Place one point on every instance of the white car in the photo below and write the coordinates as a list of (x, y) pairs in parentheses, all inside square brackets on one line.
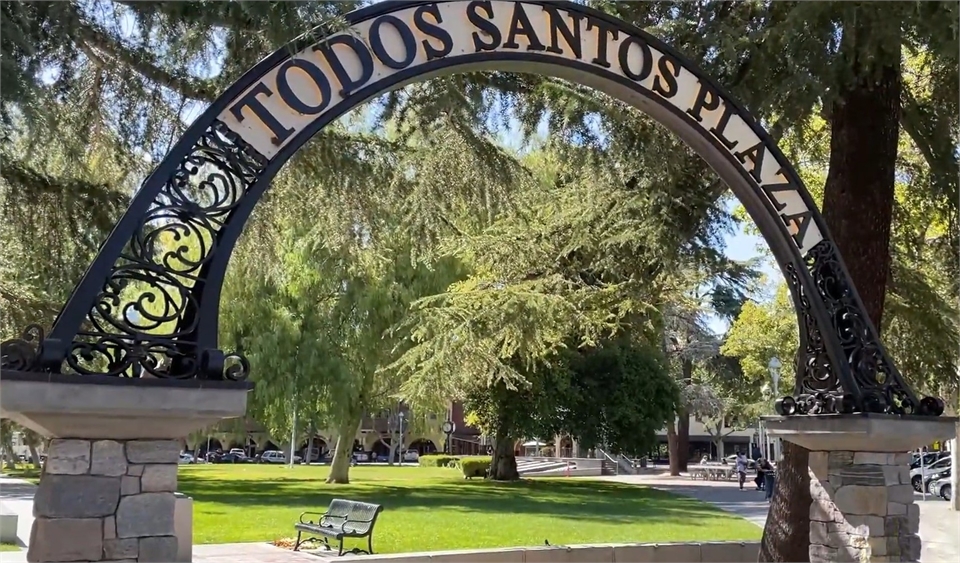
[(238, 452), (273, 456), (941, 488), (920, 477), (732, 460), (186, 458), (411, 455), (276, 456)]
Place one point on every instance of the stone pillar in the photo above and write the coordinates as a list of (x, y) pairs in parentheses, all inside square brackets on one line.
[(862, 508), (862, 502), (106, 500)]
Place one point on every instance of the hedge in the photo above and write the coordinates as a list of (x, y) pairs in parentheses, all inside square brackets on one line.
[(438, 460), (475, 466)]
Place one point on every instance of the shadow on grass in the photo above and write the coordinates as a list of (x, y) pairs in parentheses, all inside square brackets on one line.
[(26, 472), (574, 499)]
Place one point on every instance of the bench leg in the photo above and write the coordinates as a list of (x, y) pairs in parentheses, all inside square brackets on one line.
[(340, 551), (296, 546), (370, 544)]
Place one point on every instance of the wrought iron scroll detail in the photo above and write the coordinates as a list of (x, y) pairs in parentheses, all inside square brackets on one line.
[(818, 389), (880, 388), (21, 353), (143, 321)]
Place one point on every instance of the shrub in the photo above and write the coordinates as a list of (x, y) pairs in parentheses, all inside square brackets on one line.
[(475, 466), (437, 460)]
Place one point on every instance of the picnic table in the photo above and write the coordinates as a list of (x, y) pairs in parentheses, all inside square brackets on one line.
[(712, 471)]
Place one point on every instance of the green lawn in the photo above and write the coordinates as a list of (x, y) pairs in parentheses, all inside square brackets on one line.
[(22, 471), (429, 509), (9, 547)]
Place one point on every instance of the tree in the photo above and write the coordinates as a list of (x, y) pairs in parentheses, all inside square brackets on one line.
[(570, 393), (625, 421)]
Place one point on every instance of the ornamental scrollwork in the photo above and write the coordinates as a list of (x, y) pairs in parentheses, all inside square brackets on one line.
[(879, 387), (143, 320), (22, 353)]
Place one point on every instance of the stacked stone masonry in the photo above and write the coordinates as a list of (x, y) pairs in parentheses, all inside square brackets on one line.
[(104, 500), (862, 508)]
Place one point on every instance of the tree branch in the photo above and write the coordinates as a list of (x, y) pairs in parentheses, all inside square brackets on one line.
[(92, 38)]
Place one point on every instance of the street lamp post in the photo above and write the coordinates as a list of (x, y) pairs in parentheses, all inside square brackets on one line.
[(448, 428), (400, 417), (774, 367)]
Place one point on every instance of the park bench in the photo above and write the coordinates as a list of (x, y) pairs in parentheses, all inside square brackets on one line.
[(343, 519)]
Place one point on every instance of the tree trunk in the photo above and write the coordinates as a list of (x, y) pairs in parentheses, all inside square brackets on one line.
[(859, 192), (503, 466), (34, 456), (673, 449), (858, 210), (10, 458), (786, 535), (683, 439), (346, 434), (683, 418), (394, 444)]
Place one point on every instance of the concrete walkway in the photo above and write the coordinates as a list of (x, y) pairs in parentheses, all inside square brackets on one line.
[(939, 526), (16, 495)]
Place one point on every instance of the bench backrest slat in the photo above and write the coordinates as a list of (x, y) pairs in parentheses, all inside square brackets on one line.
[(341, 510)]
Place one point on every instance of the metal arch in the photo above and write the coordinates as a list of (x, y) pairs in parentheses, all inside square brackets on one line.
[(841, 364)]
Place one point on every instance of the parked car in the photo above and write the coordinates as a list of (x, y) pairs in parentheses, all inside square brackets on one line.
[(942, 488), (186, 458), (272, 456), (276, 456), (919, 477), (361, 456), (411, 455), (231, 457), (929, 458), (238, 452), (732, 460)]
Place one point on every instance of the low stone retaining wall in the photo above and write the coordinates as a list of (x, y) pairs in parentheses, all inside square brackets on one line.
[(712, 552), (8, 525)]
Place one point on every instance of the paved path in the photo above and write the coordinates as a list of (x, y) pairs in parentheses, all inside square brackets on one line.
[(16, 495), (939, 526)]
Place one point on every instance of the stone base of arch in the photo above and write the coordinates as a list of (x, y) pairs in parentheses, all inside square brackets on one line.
[(107, 491), (862, 503)]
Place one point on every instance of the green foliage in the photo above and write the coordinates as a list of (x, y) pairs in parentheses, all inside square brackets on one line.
[(617, 397), (475, 466), (763, 331), (438, 460)]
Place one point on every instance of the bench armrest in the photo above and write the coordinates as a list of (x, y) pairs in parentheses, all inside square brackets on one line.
[(320, 514)]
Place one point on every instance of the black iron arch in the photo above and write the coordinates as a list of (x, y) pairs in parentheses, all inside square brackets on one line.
[(143, 307)]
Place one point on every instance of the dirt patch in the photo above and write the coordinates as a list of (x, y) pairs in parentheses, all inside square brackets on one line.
[(285, 543)]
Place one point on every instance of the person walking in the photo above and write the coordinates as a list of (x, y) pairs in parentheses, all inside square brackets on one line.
[(763, 466), (741, 468)]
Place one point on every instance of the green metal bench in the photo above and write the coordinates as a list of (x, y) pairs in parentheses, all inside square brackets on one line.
[(343, 519)]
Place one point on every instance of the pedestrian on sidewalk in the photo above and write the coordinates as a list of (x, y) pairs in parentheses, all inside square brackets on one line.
[(763, 466), (741, 468)]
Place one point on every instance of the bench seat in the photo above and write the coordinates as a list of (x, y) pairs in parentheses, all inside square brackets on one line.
[(343, 519)]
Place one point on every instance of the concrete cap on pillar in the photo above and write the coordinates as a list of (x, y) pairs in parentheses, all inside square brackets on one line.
[(861, 432), (115, 408)]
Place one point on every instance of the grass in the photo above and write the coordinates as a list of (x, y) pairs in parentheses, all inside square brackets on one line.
[(9, 547), (24, 471), (429, 509)]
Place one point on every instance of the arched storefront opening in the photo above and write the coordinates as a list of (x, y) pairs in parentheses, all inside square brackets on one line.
[(423, 446)]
